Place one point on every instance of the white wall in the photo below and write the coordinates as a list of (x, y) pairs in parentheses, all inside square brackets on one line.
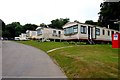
[(31, 34), (23, 36), (105, 36), (48, 33)]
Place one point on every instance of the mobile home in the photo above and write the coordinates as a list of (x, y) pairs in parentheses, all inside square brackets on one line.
[(23, 36), (84, 32), (49, 34), (31, 34), (17, 38)]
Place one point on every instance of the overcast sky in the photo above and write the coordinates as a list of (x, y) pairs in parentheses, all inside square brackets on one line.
[(43, 11)]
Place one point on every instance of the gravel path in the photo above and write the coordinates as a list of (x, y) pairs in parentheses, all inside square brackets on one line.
[(58, 48)]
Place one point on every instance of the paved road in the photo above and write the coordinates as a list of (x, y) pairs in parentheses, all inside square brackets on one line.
[(19, 60)]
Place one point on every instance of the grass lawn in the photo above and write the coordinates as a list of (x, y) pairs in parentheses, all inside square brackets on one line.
[(83, 61), (45, 46), (88, 61)]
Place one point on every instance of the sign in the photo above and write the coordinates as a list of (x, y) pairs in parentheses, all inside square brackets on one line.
[(116, 40), (115, 36)]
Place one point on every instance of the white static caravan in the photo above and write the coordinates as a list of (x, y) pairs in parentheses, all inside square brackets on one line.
[(104, 34), (31, 34), (23, 36), (49, 34), (75, 31), (86, 32), (17, 38)]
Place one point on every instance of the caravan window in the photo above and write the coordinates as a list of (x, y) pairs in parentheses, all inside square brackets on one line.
[(83, 29), (103, 32), (97, 31), (71, 30), (75, 29), (108, 33), (39, 32), (54, 33), (59, 33), (66, 31)]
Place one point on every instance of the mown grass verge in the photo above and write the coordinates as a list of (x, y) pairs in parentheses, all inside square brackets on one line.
[(45, 46)]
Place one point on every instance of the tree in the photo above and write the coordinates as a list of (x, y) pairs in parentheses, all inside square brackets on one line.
[(58, 23), (15, 29), (91, 22), (43, 25), (109, 13), (28, 27), (12, 30), (18, 29), (76, 21)]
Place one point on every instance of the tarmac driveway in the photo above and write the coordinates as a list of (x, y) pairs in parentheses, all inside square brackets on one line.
[(22, 61)]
